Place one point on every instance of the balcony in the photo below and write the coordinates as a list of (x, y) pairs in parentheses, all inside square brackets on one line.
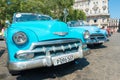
[(98, 14)]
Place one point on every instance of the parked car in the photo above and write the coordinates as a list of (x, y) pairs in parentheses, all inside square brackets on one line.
[(109, 30), (1, 34), (97, 36), (35, 40)]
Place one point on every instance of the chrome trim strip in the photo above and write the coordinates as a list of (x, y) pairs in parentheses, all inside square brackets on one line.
[(50, 49), (32, 50), (53, 42), (60, 33)]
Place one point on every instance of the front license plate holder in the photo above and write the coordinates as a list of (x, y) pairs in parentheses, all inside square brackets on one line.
[(101, 41), (62, 59)]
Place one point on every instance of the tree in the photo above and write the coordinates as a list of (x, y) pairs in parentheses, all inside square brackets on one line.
[(76, 15), (3, 13), (56, 7), (53, 8)]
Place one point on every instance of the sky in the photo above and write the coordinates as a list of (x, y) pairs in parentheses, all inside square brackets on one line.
[(114, 8)]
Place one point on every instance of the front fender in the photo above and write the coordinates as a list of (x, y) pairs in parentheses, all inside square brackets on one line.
[(104, 32), (12, 47), (78, 33)]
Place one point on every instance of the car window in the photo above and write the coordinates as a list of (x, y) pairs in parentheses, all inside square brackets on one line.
[(23, 17), (74, 24), (77, 23)]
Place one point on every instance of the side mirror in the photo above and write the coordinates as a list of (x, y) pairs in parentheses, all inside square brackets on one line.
[(7, 22)]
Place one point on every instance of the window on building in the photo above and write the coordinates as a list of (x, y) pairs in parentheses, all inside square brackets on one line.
[(95, 20), (95, 12), (90, 11), (103, 20), (99, 11), (103, 2), (88, 2), (96, 2)]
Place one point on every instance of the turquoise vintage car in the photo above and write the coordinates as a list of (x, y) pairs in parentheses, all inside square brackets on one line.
[(35, 40), (97, 36)]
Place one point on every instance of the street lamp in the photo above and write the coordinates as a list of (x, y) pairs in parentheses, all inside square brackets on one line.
[(65, 11)]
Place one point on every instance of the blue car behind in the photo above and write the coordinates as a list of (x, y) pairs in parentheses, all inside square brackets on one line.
[(97, 35)]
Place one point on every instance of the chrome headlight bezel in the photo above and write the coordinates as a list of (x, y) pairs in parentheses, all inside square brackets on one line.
[(20, 38), (24, 56), (86, 35)]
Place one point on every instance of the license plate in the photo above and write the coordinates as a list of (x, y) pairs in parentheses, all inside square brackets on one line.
[(62, 59)]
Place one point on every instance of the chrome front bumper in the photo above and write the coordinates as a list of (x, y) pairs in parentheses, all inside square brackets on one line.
[(96, 41), (40, 62), (48, 59)]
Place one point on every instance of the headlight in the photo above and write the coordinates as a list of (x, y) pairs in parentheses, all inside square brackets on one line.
[(20, 38), (86, 35)]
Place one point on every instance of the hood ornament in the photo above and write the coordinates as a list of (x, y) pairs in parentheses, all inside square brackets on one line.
[(60, 33)]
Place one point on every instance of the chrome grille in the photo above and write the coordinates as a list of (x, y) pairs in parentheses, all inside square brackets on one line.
[(97, 36), (56, 47)]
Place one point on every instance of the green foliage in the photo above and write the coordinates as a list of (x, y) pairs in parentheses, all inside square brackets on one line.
[(76, 15), (53, 8)]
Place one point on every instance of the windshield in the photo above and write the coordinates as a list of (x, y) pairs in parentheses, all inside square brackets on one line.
[(74, 23), (44, 17), (86, 23), (77, 23), (23, 17)]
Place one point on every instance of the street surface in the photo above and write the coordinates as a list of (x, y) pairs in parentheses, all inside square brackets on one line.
[(102, 64)]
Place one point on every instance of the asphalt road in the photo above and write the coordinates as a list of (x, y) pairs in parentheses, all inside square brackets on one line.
[(2, 43), (102, 64)]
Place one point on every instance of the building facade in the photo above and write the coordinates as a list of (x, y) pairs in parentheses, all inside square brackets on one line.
[(113, 22), (97, 11)]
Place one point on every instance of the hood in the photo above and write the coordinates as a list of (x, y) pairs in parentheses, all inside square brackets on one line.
[(104, 32), (44, 29), (77, 29), (91, 29)]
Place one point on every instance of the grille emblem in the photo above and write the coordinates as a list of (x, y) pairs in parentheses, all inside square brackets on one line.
[(61, 33)]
